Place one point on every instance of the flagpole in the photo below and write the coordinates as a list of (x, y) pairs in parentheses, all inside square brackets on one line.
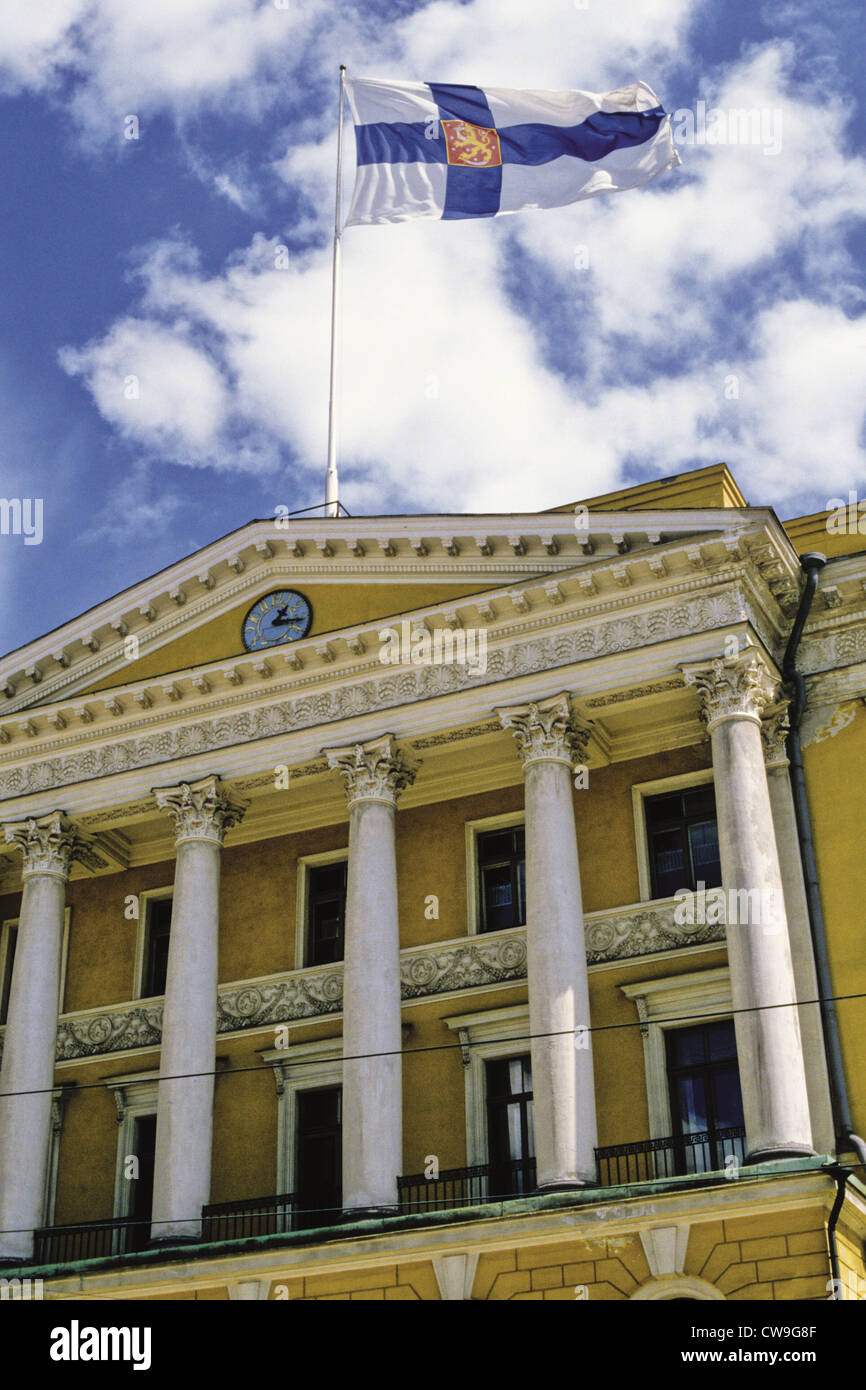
[(332, 489)]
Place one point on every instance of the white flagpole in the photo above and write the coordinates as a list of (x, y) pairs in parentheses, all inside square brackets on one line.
[(332, 490)]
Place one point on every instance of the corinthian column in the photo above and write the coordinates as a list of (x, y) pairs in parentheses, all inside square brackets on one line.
[(49, 844), (202, 813), (374, 775), (734, 692), (550, 742), (774, 731)]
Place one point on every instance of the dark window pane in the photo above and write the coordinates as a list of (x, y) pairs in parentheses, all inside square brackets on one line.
[(686, 1046), (326, 922), (156, 946), (319, 1165), (669, 862), (692, 1104), (721, 1040), (502, 878), (510, 1126), (727, 1101), (6, 982), (683, 841), (705, 1093), (706, 861), (141, 1197)]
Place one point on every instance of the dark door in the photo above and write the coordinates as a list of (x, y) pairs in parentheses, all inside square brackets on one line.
[(141, 1204), (510, 1126), (319, 1185)]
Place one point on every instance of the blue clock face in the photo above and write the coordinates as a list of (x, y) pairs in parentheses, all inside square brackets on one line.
[(283, 616)]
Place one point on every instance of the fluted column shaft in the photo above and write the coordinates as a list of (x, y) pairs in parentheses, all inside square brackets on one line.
[(49, 845), (202, 813), (734, 693), (374, 775), (563, 1081)]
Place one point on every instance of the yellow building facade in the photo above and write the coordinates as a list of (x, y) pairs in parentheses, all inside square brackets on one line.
[(415, 907)]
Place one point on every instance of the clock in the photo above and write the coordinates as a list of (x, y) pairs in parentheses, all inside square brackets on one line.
[(282, 616)]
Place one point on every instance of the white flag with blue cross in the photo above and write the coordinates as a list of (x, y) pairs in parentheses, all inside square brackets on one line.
[(431, 149)]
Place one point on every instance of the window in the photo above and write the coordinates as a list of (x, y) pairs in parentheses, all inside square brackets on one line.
[(683, 840), (157, 929), (141, 1188), (7, 958), (510, 1126), (705, 1093), (502, 878), (319, 1187), (326, 912)]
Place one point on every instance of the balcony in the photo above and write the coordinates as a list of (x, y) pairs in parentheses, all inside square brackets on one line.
[(650, 1160)]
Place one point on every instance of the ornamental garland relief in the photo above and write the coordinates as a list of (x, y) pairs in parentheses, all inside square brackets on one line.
[(703, 613), (460, 965)]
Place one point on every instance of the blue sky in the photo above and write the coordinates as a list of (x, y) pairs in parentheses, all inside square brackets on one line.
[(717, 314)]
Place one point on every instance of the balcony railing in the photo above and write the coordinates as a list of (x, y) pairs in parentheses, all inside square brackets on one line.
[(465, 1187), (254, 1216), (93, 1241), (674, 1156)]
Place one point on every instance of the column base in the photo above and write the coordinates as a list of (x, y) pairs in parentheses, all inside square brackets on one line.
[(567, 1185), (369, 1213), (784, 1151), (159, 1242)]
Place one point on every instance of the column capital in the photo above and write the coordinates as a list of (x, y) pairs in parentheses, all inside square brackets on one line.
[(374, 771), (774, 732), (546, 731), (49, 844), (201, 810), (739, 687)]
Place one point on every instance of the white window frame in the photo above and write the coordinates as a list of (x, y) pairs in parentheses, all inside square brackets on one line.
[(310, 1066), (135, 1094), (144, 898), (474, 828), (59, 1097), (495, 1033), (639, 793), (687, 999), (305, 863), (9, 922)]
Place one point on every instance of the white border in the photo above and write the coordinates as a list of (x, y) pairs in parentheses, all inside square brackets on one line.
[(491, 1034), (311, 1066), (141, 1099)]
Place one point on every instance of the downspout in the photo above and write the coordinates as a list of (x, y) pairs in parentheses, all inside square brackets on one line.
[(812, 565), (841, 1176)]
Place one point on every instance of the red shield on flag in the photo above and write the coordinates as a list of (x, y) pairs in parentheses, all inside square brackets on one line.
[(472, 145)]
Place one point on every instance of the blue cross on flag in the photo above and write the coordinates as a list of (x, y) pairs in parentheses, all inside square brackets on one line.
[(430, 149)]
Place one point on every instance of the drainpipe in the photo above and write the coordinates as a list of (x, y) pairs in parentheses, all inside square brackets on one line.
[(841, 1175), (812, 564)]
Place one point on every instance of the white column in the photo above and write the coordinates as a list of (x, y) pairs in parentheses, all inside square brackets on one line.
[(202, 813), (374, 776), (49, 844), (550, 742), (774, 730), (734, 693)]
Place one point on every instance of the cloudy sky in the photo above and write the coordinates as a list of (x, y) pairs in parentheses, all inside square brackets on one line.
[(164, 363)]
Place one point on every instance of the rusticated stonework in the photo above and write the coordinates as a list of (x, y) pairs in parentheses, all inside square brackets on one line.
[(546, 731), (622, 934), (624, 633), (200, 810), (372, 771), (738, 687)]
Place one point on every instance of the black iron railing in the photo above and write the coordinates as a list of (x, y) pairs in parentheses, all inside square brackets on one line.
[(93, 1241), (254, 1216), (674, 1156), (464, 1187)]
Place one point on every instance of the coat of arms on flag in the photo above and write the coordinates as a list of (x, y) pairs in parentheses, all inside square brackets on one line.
[(429, 149)]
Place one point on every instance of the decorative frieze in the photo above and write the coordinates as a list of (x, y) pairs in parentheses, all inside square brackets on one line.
[(566, 647), (425, 971)]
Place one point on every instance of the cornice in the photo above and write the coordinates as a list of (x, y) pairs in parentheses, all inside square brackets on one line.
[(187, 593)]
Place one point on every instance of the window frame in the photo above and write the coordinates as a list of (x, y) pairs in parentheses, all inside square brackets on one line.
[(490, 1036), (9, 922), (640, 792), (311, 1066), (141, 943), (472, 829), (142, 1098), (302, 901)]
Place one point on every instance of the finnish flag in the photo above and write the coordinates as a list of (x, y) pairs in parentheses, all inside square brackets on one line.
[(430, 149)]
